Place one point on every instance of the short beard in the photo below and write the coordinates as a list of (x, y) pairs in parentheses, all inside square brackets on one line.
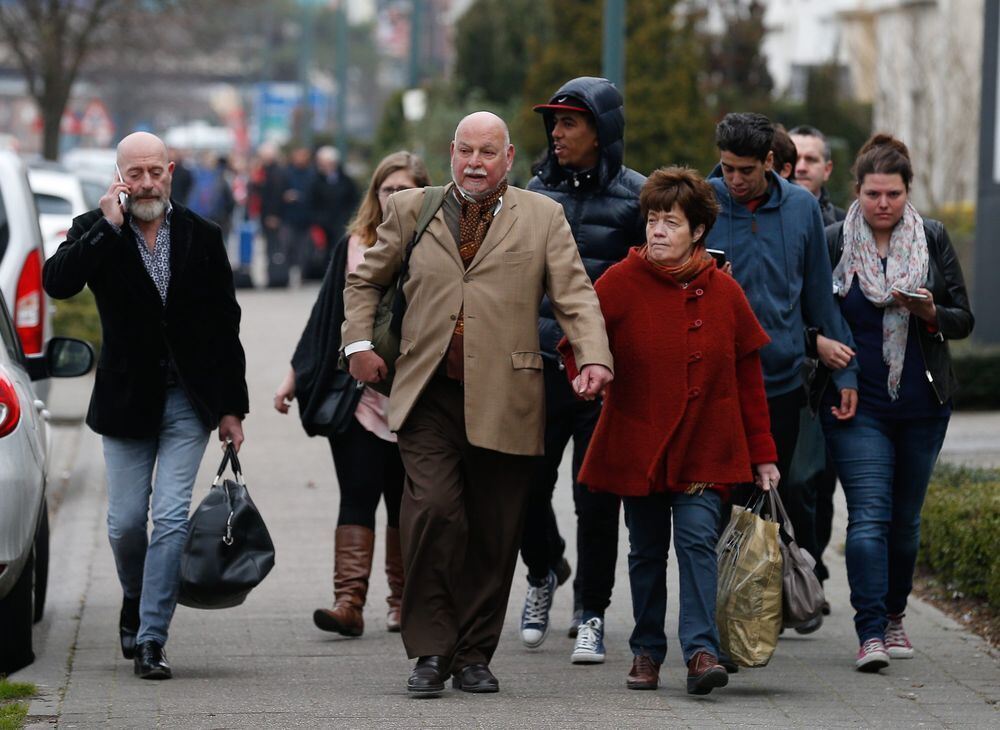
[(147, 210)]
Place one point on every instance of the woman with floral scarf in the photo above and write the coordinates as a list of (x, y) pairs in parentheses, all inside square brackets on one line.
[(900, 288)]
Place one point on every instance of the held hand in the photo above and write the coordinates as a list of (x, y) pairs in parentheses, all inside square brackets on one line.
[(111, 207), (835, 355), (285, 393), (231, 428), (367, 367), (766, 476), (591, 381), (848, 405), (923, 308), (728, 268)]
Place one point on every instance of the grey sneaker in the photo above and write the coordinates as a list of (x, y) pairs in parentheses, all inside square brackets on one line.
[(589, 647)]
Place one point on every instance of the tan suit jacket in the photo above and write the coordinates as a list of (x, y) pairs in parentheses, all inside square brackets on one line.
[(528, 251)]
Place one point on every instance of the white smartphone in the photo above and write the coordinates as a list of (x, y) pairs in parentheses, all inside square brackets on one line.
[(122, 197), (910, 294)]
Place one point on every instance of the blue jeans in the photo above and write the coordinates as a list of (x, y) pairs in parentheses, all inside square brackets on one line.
[(149, 567), (884, 466), (695, 518)]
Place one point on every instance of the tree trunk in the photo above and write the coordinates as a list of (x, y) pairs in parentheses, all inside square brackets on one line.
[(51, 106)]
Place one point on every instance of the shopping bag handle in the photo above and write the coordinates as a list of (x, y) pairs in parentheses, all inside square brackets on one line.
[(229, 458), (778, 509)]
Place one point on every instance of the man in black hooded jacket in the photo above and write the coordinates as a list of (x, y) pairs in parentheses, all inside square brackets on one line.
[(583, 171)]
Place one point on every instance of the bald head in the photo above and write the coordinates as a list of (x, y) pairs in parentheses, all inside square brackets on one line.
[(479, 122), (141, 144), (481, 154), (143, 163)]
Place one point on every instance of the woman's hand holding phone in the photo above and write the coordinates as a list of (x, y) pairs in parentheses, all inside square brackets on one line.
[(919, 302)]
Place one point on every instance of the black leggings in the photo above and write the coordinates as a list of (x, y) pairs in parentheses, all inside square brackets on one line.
[(367, 468)]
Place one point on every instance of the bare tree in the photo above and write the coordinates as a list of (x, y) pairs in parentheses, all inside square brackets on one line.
[(50, 39), (53, 42)]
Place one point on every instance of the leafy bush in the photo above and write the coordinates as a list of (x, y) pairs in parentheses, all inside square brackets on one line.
[(77, 317), (978, 374), (960, 530)]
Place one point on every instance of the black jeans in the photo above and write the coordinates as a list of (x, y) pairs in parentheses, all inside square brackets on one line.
[(784, 411), (799, 498), (597, 513), (368, 468)]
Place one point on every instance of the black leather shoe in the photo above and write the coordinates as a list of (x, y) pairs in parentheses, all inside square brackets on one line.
[(151, 661), (128, 626), (475, 678), (427, 677)]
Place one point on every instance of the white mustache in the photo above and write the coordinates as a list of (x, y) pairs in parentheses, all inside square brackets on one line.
[(474, 172)]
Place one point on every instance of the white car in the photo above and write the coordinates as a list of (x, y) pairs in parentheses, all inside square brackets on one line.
[(24, 442), (59, 199), (22, 257)]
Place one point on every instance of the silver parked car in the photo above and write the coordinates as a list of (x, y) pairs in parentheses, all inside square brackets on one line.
[(24, 442)]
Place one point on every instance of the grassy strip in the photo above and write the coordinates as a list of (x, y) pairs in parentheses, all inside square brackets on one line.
[(16, 690), (12, 715)]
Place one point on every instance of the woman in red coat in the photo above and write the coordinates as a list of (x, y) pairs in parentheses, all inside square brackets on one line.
[(685, 419)]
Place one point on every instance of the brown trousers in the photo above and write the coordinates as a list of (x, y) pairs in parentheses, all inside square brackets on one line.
[(460, 525)]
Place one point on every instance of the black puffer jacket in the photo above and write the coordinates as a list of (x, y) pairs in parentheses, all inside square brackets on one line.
[(602, 205), (951, 299)]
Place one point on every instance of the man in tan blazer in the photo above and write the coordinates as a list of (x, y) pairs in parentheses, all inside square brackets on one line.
[(467, 397)]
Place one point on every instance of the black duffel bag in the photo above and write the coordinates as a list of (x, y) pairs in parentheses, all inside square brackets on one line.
[(228, 549)]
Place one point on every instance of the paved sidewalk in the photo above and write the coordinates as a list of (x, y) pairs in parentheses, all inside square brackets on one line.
[(264, 664)]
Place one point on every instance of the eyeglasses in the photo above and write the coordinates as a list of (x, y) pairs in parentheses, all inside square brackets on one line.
[(385, 192)]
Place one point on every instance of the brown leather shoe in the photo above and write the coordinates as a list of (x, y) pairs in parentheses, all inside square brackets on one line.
[(394, 575), (352, 566), (705, 674), (645, 673)]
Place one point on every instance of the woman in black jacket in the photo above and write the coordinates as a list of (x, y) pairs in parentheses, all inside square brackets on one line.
[(900, 287), (365, 454)]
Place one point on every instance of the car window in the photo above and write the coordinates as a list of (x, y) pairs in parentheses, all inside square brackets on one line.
[(92, 193), (4, 228), (7, 335), (53, 205)]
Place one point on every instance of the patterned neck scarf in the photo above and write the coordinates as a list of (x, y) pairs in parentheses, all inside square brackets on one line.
[(906, 268), (698, 261), (475, 222)]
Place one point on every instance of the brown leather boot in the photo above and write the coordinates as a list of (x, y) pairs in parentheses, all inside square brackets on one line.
[(352, 566), (394, 575)]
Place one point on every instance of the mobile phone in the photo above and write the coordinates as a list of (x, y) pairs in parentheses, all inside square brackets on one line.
[(122, 197), (910, 294), (718, 255)]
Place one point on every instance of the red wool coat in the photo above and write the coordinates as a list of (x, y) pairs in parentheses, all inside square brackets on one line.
[(687, 404)]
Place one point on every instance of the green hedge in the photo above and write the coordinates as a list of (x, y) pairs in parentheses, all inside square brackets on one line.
[(978, 376), (960, 530), (77, 317)]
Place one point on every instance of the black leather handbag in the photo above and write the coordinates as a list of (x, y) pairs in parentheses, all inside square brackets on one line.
[(336, 410), (228, 549)]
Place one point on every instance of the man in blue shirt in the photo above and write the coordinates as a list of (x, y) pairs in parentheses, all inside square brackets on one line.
[(773, 236)]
